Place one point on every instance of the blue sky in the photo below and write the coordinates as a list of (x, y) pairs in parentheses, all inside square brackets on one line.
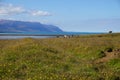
[(69, 15)]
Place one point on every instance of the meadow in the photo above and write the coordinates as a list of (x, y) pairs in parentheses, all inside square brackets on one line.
[(90, 57)]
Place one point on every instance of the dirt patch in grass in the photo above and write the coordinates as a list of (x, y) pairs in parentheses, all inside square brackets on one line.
[(113, 54)]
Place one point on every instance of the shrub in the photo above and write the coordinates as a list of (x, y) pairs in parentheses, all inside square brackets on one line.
[(101, 54), (109, 49)]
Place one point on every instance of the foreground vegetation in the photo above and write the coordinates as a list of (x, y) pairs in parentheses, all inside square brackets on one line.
[(95, 57)]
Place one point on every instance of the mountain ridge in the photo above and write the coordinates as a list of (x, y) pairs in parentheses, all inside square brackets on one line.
[(26, 26)]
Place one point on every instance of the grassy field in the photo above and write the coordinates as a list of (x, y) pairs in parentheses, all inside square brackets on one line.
[(93, 57)]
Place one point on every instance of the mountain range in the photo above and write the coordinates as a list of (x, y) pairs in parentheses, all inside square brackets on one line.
[(7, 26)]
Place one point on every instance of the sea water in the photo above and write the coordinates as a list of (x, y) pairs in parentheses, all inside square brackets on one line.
[(41, 34)]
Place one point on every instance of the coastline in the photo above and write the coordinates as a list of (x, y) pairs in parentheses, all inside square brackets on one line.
[(43, 35)]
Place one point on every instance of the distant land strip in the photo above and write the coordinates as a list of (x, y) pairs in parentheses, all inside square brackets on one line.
[(31, 34)]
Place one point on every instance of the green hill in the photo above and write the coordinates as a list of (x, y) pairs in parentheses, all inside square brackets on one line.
[(95, 57)]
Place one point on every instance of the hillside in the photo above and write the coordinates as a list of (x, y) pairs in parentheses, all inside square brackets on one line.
[(92, 57), (21, 26)]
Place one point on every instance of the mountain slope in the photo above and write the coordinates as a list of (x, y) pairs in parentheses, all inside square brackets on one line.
[(21, 26)]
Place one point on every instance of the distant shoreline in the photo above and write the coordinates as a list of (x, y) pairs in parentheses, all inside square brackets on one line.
[(48, 33), (29, 35), (42, 35)]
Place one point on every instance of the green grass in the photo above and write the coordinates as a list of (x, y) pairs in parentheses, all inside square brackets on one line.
[(59, 58)]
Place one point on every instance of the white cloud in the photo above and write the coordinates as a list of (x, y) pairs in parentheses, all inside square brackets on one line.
[(40, 13), (9, 9)]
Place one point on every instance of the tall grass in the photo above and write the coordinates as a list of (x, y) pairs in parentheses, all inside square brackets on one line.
[(59, 58)]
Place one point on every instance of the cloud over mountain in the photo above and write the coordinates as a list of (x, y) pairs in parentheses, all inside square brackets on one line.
[(10, 9), (40, 13)]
